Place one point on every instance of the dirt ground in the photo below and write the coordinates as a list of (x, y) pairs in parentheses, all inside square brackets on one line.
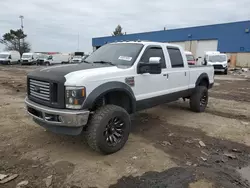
[(169, 146)]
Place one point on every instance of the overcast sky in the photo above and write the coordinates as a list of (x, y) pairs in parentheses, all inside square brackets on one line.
[(53, 25)]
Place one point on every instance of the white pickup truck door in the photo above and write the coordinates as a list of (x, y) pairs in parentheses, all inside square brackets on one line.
[(178, 72), (151, 85)]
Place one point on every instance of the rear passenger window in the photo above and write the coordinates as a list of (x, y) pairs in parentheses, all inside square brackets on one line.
[(154, 52), (175, 57)]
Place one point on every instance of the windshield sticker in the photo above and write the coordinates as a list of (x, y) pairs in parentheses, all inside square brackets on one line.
[(125, 58)]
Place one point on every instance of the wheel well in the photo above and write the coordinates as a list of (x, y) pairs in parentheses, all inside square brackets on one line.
[(119, 98), (204, 82)]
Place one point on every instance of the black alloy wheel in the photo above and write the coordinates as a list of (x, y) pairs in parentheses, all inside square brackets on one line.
[(114, 131)]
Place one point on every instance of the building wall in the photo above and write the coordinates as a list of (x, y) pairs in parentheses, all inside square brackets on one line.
[(243, 60), (232, 37)]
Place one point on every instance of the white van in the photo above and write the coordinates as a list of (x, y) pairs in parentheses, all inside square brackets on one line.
[(9, 57), (41, 58), (28, 59), (57, 59), (218, 60)]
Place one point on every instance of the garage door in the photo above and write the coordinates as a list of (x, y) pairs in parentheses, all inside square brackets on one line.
[(182, 44), (205, 45)]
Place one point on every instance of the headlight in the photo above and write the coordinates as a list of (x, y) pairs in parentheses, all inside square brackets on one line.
[(224, 65), (74, 97)]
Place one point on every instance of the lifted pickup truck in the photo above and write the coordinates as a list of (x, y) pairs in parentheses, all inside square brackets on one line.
[(97, 95)]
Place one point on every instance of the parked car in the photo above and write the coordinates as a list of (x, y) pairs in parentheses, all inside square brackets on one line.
[(57, 59), (190, 58), (218, 60), (9, 57), (116, 80), (29, 59)]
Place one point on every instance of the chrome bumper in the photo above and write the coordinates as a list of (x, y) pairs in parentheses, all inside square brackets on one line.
[(57, 117)]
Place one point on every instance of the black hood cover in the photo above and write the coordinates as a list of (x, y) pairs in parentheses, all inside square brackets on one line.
[(57, 73)]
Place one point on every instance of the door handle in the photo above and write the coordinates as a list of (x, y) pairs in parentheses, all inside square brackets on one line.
[(185, 73), (165, 75)]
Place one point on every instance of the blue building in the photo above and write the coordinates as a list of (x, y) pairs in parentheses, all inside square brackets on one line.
[(231, 38)]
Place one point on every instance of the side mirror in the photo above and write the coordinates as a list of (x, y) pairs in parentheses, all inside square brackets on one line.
[(229, 60), (154, 60), (9, 57), (152, 67)]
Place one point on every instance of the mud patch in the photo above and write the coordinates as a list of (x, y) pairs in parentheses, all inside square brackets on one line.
[(234, 90), (35, 171), (217, 161), (177, 177)]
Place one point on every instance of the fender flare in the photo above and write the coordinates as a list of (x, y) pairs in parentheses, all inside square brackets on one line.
[(106, 88), (203, 76)]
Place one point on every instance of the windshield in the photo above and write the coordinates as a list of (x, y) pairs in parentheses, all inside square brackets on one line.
[(4, 56), (26, 56), (117, 54), (190, 57), (217, 58)]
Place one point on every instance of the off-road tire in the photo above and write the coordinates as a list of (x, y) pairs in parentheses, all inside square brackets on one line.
[(199, 99), (97, 125)]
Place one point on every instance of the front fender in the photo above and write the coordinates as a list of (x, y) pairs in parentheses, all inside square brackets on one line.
[(106, 88)]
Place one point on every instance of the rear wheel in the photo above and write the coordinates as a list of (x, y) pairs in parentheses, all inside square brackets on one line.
[(199, 99), (108, 129)]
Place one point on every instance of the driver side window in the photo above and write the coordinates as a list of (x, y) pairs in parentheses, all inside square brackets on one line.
[(154, 52)]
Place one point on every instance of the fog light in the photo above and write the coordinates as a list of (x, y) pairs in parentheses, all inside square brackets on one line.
[(60, 118), (71, 100)]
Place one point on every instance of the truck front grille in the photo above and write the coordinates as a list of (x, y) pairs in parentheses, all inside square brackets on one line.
[(218, 66), (39, 89)]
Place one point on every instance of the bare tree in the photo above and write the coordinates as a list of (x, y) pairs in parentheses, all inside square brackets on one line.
[(14, 40)]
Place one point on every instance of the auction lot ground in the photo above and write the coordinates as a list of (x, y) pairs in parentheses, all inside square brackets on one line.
[(164, 148)]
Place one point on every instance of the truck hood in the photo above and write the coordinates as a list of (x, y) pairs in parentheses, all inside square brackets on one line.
[(69, 73)]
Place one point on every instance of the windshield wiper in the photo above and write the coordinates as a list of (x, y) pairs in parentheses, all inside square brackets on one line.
[(105, 62)]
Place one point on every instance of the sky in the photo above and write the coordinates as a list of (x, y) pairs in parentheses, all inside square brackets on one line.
[(53, 25)]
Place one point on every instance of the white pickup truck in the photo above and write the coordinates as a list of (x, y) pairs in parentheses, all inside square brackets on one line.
[(97, 95)]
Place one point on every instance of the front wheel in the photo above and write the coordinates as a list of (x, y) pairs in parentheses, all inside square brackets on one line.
[(108, 129), (199, 99), (225, 71), (47, 64)]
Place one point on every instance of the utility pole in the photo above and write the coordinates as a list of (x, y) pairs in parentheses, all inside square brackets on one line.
[(21, 18), (78, 42)]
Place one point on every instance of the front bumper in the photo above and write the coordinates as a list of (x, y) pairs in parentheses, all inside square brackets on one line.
[(219, 67), (57, 117), (3, 62)]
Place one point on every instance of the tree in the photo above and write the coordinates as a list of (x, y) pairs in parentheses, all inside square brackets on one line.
[(14, 40), (118, 31)]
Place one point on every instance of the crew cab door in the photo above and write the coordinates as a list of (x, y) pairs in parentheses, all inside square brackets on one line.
[(178, 74), (149, 86)]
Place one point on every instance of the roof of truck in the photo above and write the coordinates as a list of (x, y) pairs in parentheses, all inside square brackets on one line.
[(144, 42)]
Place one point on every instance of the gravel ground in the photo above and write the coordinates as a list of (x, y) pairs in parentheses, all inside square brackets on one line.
[(170, 146)]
